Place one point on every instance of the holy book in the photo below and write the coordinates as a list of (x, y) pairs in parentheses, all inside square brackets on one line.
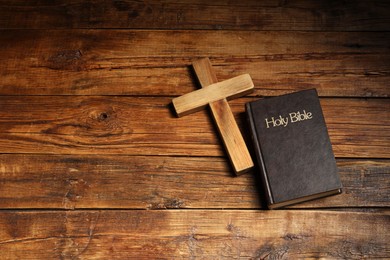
[(293, 149)]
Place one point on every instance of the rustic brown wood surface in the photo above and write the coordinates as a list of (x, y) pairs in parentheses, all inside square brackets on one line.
[(213, 234), (160, 182), (149, 126), (358, 15), (117, 62), (94, 163)]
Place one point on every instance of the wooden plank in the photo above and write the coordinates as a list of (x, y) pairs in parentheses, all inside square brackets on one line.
[(194, 234), (159, 182), (117, 62), (361, 15), (231, 136), (147, 126)]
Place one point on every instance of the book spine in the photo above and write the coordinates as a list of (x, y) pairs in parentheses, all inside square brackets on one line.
[(259, 155)]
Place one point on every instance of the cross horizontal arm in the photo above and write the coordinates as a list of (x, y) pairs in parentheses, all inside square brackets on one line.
[(198, 99)]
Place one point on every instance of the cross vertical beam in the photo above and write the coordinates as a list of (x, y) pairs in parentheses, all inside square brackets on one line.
[(215, 94)]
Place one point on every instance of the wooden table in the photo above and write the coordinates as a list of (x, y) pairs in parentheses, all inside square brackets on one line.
[(95, 165)]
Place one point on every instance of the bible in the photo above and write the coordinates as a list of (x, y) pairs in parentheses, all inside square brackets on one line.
[(293, 149)]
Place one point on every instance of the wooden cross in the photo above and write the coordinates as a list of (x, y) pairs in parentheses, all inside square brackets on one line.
[(215, 94)]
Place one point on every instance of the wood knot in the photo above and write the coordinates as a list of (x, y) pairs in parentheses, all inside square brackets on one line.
[(104, 123), (290, 236), (169, 203), (103, 116), (66, 60), (76, 190)]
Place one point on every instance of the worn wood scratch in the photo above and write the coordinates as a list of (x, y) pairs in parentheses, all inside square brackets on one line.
[(91, 232)]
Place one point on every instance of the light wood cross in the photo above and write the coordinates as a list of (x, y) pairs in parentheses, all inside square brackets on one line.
[(215, 94)]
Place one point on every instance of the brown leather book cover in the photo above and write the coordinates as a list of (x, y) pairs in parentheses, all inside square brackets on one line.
[(293, 149)]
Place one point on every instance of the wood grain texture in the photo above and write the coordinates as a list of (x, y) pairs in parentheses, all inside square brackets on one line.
[(190, 234), (360, 15), (157, 63), (159, 182), (147, 126)]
